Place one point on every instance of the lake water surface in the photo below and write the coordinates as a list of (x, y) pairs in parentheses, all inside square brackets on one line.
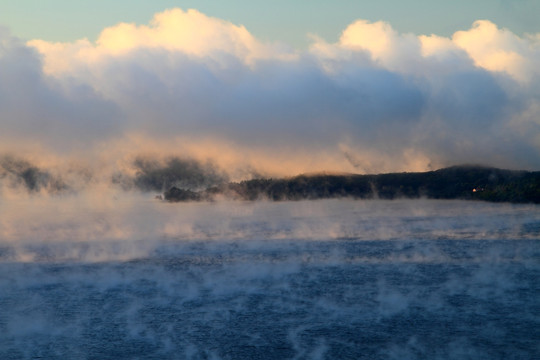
[(332, 279)]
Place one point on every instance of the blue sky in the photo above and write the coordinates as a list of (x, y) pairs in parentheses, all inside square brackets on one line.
[(279, 20)]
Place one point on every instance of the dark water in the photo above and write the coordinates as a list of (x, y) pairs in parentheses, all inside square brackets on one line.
[(461, 282)]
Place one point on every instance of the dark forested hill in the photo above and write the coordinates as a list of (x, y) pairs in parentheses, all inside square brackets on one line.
[(458, 182)]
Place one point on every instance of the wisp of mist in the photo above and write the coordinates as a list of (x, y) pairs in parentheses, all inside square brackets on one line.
[(123, 275)]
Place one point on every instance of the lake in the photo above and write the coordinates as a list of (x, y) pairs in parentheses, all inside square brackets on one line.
[(131, 278)]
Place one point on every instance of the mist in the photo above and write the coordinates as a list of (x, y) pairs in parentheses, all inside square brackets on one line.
[(95, 265), (308, 279), (127, 226), (414, 103)]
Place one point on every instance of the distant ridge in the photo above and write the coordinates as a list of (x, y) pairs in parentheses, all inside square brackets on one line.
[(467, 182)]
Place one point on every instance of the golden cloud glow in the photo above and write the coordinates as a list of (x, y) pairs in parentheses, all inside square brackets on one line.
[(193, 33), (189, 32), (377, 38), (496, 49)]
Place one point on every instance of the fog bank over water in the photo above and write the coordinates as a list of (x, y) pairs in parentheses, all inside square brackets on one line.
[(125, 277), (116, 226)]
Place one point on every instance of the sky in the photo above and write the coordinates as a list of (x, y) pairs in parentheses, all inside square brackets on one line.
[(275, 88), (279, 20)]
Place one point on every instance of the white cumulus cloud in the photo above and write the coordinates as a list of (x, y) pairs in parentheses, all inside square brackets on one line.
[(189, 84)]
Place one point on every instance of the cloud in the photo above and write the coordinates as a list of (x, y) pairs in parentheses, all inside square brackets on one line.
[(189, 32), (497, 49), (20, 173), (191, 86), (385, 46), (35, 108)]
